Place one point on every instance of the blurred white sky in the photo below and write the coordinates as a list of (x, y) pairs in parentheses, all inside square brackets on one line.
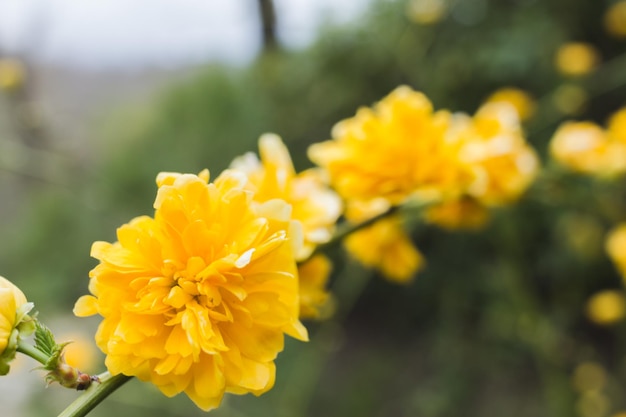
[(131, 33)]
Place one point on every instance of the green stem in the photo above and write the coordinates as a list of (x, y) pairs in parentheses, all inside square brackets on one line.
[(94, 395), (347, 228), (33, 352)]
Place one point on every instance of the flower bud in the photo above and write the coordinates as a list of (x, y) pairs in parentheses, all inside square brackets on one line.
[(14, 321)]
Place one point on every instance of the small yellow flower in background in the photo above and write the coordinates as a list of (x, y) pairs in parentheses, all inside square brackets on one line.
[(384, 245), (593, 404), (577, 58), (81, 353), (197, 299), (503, 163), (619, 414), (615, 19), (606, 307), (519, 99), (589, 376), (12, 74), (426, 12), (14, 321), (396, 150), (315, 301), (587, 148), (313, 203), (570, 99), (616, 248)]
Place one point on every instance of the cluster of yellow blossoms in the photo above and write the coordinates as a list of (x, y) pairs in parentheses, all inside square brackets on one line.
[(402, 150), (587, 148), (198, 298)]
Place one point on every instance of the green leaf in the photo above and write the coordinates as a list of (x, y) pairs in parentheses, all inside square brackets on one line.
[(44, 341)]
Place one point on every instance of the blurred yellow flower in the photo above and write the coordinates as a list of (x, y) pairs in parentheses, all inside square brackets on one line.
[(587, 148), (503, 163), (13, 320), (313, 203), (593, 404), (426, 12), (198, 298), (577, 58), (589, 376), (315, 301), (384, 245), (616, 248), (570, 99), (606, 307), (81, 353), (519, 99), (615, 19), (12, 74), (396, 150)]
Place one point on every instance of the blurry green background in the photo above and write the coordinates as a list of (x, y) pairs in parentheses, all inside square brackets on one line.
[(495, 326)]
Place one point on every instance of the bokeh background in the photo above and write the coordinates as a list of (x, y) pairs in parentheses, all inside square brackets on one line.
[(96, 98)]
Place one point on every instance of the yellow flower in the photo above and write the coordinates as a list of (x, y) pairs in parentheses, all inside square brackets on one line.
[(503, 163), (315, 301), (313, 204), (577, 58), (616, 248), (587, 148), (198, 298), (606, 307), (396, 150), (14, 321), (384, 245), (11, 74), (426, 12), (522, 102), (81, 353), (615, 19), (570, 99)]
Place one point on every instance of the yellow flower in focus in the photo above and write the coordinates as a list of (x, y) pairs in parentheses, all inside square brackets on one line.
[(616, 248), (384, 245), (426, 12), (11, 74), (315, 301), (313, 204), (522, 102), (13, 321), (587, 148), (577, 58), (606, 307), (464, 213), (197, 299), (396, 150), (615, 19)]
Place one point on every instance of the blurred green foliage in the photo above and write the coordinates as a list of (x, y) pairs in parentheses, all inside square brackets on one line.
[(495, 326)]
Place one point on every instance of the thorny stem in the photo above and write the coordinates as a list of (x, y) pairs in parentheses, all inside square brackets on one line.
[(95, 395)]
